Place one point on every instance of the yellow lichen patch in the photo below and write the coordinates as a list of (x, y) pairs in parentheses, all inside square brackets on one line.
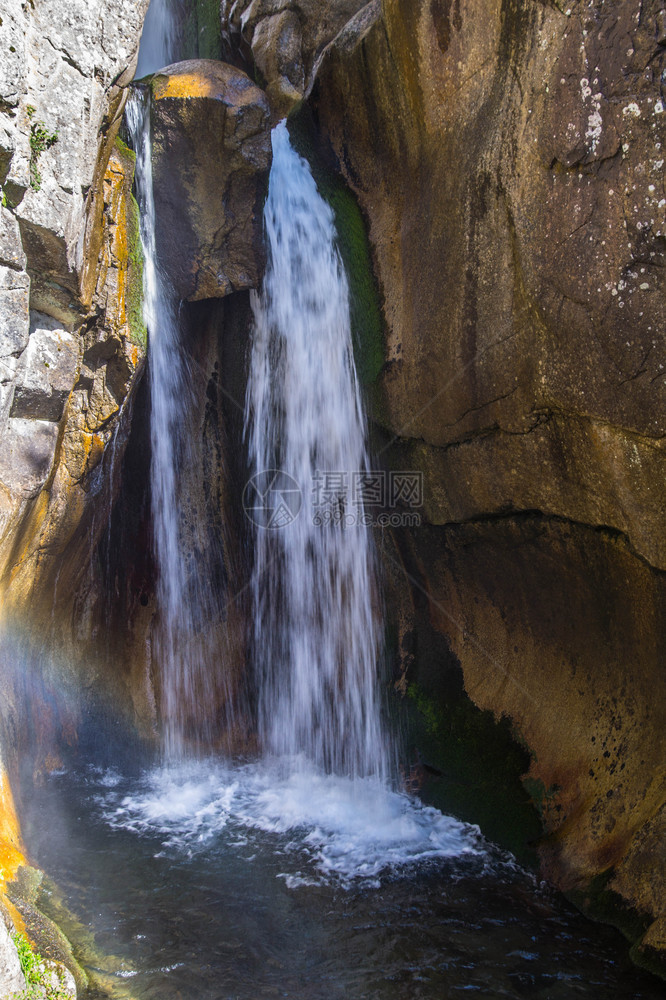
[(25, 545), (205, 78), (133, 354), (185, 86), (115, 262)]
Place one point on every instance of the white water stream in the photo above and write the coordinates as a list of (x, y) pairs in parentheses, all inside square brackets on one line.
[(316, 628), (159, 41), (188, 671)]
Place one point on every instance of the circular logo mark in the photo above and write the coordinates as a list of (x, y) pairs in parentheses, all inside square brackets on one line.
[(272, 499)]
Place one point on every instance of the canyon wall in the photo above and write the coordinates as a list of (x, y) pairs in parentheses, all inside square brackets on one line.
[(507, 156), (509, 159)]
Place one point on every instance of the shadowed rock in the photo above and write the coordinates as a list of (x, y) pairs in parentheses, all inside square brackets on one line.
[(509, 159)]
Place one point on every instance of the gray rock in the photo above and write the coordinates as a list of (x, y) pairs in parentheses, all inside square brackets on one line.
[(65, 62), (17, 179), (79, 51), (14, 314), (12, 979), (58, 979), (47, 371), (12, 45), (27, 449), (7, 146), (11, 248)]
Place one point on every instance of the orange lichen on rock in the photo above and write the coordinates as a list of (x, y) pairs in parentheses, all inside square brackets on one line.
[(11, 847), (118, 266), (205, 78)]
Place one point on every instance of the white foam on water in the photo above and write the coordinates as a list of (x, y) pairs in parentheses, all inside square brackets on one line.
[(186, 804), (342, 828)]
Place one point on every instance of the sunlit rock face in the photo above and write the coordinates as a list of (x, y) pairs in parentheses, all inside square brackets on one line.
[(62, 412), (509, 157), (211, 155), (72, 343)]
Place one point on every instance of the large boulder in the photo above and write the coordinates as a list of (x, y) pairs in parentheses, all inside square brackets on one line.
[(211, 156)]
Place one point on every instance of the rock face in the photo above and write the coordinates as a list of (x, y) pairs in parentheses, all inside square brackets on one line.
[(509, 158), (63, 409), (508, 155), (60, 89), (286, 39), (211, 155), (12, 980), (60, 81), (542, 388), (71, 336)]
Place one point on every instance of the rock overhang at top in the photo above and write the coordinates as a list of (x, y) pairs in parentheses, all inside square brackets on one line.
[(211, 155)]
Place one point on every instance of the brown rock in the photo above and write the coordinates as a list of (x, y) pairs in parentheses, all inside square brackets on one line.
[(557, 626), (510, 164), (211, 155), (509, 158), (287, 39)]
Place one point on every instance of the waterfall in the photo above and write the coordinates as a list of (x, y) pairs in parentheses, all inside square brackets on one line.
[(159, 38), (316, 630), (186, 646), (322, 781)]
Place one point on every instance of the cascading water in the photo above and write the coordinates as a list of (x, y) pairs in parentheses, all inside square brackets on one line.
[(184, 869), (316, 640), (187, 604), (159, 41)]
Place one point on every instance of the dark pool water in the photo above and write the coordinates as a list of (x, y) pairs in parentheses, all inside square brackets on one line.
[(207, 906)]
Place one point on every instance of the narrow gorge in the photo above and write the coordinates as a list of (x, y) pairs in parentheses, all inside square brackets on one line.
[(332, 536)]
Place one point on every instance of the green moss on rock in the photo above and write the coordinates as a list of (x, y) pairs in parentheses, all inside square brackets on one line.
[(128, 155), (469, 763), (539, 794), (138, 332), (202, 31), (471, 767), (31, 893), (353, 244), (598, 901)]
